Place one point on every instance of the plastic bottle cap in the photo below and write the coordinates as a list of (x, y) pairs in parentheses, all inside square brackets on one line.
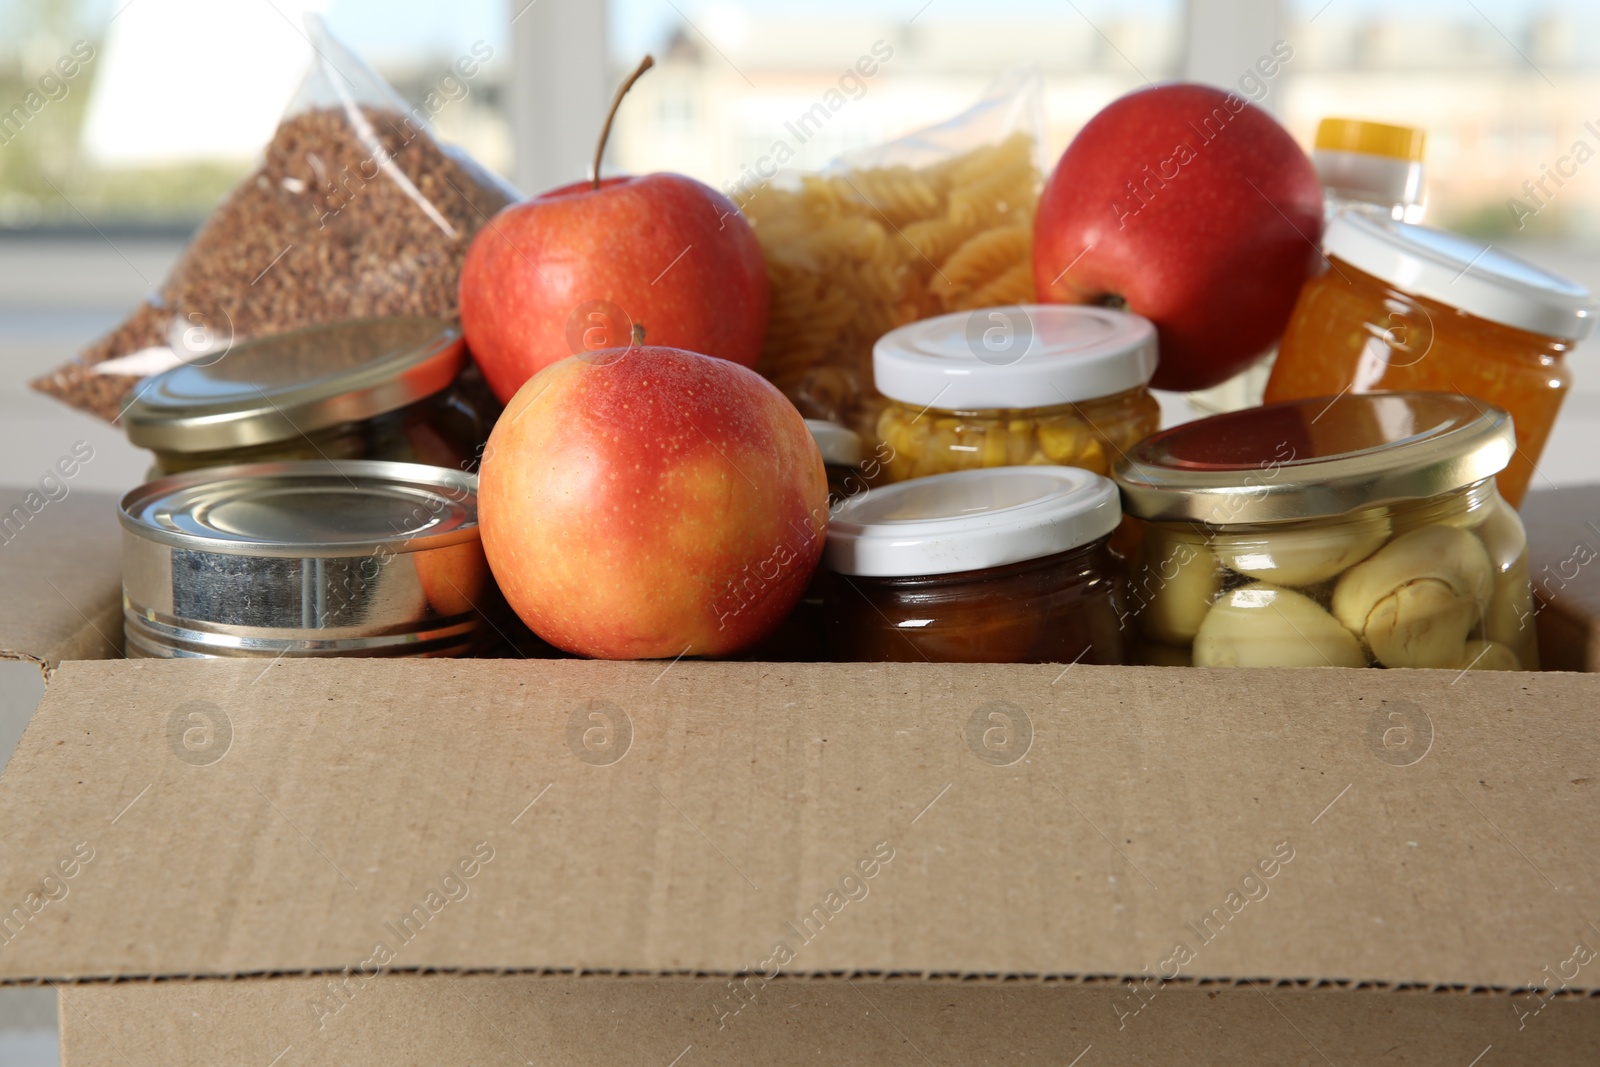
[(970, 520), (840, 447), (1371, 138), (1478, 279), (1032, 356)]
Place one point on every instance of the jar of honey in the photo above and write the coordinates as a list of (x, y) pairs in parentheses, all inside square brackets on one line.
[(1406, 307), (1007, 386), (1010, 565)]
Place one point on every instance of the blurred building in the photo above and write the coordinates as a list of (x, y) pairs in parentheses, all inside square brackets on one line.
[(1504, 103), (1499, 102)]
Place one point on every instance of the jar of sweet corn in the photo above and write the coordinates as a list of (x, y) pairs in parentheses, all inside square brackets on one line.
[(1009, 386), (1357, 531)]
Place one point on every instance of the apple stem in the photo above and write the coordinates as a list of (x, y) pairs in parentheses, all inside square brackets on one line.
[(605, 131), (1114, 301)]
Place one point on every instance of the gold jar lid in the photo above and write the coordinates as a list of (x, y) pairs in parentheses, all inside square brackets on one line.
[(278, 388), (1305, 459)]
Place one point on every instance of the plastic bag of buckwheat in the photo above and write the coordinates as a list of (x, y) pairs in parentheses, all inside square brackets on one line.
[(356, 211)]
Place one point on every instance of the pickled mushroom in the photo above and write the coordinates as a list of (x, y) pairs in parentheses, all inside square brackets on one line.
[(1306, 556), (1180, 577), (1415, 601), (1488, 656), (1263, 625)]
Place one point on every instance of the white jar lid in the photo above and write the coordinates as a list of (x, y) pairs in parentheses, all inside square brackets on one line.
[(970, 520), (1033, 356), (1478, 279), (840, 447)]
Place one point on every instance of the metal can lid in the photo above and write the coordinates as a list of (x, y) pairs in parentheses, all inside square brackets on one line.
[(970, 520), (278, 388), (1305, 459), (1037, 356), (307, 509)]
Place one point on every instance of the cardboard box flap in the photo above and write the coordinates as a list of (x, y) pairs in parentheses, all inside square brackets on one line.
[(222, 818), (61, 578)]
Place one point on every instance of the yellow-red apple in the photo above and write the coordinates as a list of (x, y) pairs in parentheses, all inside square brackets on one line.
[(649, 502)]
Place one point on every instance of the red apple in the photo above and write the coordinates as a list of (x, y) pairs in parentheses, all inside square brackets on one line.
[(1193, 208), (662, 260), (649, 502)]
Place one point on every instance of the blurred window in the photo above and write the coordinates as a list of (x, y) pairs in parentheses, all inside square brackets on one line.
[(143, 113), (749, 68), (1506, 90)]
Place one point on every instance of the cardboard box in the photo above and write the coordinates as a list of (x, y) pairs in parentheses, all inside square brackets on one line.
[(608, 863), (61, 580), (507, 861)]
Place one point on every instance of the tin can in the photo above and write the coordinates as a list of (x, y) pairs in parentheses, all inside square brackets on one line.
[(320, 558)]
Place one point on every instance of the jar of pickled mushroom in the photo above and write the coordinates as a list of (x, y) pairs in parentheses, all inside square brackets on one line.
[(1405, 307), (1361, 531), (1010, 386), (1010, 565)]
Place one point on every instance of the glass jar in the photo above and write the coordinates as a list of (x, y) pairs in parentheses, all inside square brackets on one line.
[(397, 389), (1410, 308), (1371, 166), (1051, 384), (1352, 532), (1010, 565)]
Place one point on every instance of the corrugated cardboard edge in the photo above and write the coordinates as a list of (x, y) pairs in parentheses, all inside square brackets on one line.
[(1354, 985)]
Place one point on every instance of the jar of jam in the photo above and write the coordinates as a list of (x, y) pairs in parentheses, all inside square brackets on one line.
[(1406, 307), (1009, 565), (1008, 386), (397, 389), (1348, 532)]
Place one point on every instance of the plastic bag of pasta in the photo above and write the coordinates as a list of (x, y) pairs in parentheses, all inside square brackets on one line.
[(940, 220), (356, 211)]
